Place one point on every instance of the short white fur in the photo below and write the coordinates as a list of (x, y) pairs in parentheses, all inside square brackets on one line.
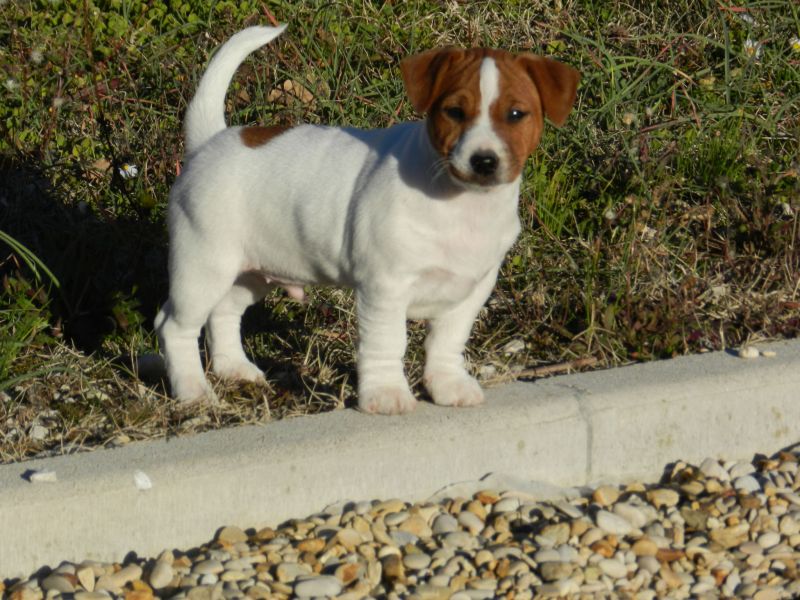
[(411, 243)]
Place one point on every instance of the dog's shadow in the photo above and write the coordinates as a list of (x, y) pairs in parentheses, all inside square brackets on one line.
[(111, 269)]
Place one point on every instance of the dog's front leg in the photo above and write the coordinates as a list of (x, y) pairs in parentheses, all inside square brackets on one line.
[(382, 385), (446, 377)]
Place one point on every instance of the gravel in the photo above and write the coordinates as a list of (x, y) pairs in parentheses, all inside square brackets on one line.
[(729, 529)]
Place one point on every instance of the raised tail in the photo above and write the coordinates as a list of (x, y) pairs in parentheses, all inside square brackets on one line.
[(205, 116)]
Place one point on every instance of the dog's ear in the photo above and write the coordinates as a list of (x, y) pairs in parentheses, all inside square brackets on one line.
[(556, 83), (423, 75)]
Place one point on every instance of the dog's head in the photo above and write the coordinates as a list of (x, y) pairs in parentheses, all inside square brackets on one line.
[(485, 108)]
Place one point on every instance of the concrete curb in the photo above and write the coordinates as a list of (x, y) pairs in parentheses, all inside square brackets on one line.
[(572, 430)]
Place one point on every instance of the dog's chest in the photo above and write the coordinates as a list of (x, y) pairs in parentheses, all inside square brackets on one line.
[(458, 257)]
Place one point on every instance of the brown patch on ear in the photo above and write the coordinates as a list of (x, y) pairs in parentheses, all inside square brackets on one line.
[(556, 83), (253, 137), (424, 73)]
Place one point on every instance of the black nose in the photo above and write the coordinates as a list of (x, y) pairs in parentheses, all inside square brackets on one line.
[(484, 163)]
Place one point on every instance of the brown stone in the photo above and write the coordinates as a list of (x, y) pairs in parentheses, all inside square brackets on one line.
[(603, 548), (644, 546), (605, 495), (313, 545), (669, 554), (393, 569), (348, 573), (231, 535)]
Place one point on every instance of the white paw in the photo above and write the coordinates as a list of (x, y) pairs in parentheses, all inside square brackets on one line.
[(453, 388), (386, 400), (236, 370), (189, 391)]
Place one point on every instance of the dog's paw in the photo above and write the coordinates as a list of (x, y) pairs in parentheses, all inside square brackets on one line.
[(233, 370), (386, 400), (191, 391), (449, 388)]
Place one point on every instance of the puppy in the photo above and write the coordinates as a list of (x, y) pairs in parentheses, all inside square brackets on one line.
[(416, 218)]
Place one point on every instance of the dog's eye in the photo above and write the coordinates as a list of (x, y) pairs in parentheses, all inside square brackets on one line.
[(456, 113), (515, 115)]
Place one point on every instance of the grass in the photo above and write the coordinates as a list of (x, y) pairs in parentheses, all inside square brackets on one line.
[(661, 220)]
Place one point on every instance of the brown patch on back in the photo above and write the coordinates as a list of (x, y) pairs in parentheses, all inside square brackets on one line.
[(256, 136)]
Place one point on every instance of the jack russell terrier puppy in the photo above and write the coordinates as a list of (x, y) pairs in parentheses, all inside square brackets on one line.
[(416, 218)]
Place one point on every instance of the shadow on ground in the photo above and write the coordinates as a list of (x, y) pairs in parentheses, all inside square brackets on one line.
[(111, 270)]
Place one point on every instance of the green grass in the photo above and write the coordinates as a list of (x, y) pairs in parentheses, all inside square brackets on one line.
[(661, 220)]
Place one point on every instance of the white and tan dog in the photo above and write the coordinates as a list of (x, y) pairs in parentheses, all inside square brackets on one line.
[(416, 218)]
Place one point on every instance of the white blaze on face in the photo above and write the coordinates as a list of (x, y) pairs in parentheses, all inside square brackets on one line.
[(481, 137)]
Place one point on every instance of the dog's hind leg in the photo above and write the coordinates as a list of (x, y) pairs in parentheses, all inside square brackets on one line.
[(195, 289), (223, 329)]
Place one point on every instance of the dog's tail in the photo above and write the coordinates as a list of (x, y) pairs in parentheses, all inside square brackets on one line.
[(205, 116)]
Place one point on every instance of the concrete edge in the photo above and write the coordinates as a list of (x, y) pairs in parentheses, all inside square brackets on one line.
[(572, 430)]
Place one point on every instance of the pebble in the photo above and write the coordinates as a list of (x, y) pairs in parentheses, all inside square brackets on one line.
[(208, 566), (632, 514), (612, 523), (415, 562), (552, 571), (748, 352), (769, 539), (445, 523), (505, 505), (747, 483), (313, 587), (161, 575), (720, 528), (471, 522), (711, 468), (605, 495), (613, 568), (231, 535), (661, 497)]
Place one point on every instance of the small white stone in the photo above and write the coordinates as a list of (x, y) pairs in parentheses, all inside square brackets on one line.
[(43, 476), (649, 564), (711, 468), (788, 525), (142, 481), (487, 371), (515, 346), (547, 555), (611, 523), (396, 518), (740, 469), (748, 352), (747, 483), (161, 575), (633, 514), (459, 539), (613, 568), (415, 562), (323, 585), (505, 505), (38, 433), (567, 553), (444, 523), (769, 539), (205, 567), (471, 521)]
